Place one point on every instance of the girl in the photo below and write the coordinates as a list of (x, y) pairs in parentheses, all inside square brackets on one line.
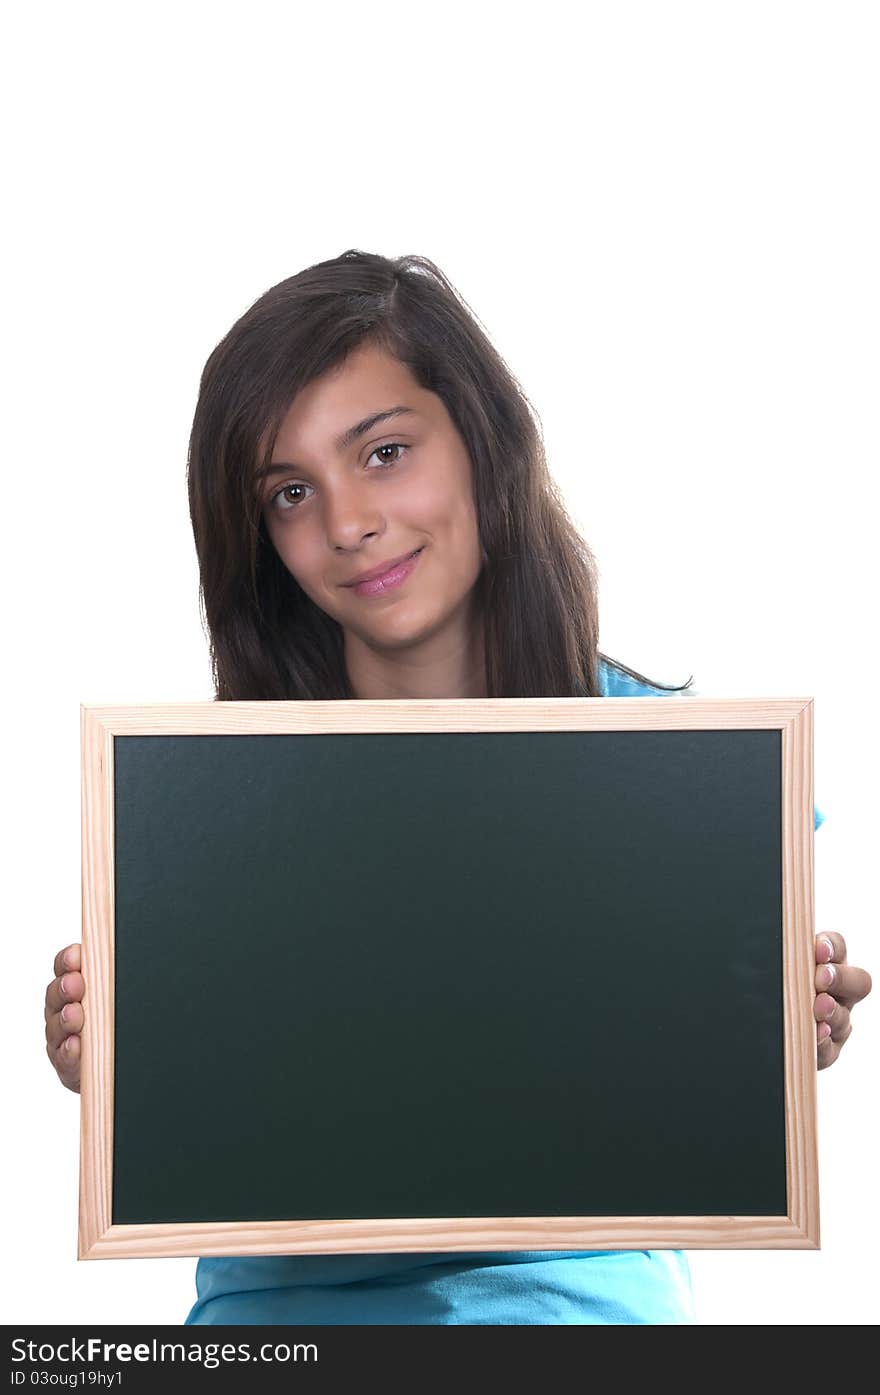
[(374, 518)]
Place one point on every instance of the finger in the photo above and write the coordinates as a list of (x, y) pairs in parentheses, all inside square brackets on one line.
[(824, 1007), (62, 1024), (840, 1025), (833, 1024), (66, 1060), (832, 1035), (69, 958), (845, 982), (830, 947), (827, 1052), (69, 988)]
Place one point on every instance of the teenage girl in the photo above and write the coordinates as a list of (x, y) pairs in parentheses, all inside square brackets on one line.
[(374, 518)]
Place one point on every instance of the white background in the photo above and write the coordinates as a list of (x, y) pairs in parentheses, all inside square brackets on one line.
[(665, 215)]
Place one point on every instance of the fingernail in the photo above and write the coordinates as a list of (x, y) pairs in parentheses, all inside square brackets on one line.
[(67, 960), (63, 989), (827, 975), (824, 1031), (827, 942), (64, 1014)]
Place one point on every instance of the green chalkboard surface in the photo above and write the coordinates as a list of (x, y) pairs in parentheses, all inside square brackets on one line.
[(392, 968), (448, 974)]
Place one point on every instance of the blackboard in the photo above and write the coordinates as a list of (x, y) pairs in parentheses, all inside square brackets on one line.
[(448, 975)]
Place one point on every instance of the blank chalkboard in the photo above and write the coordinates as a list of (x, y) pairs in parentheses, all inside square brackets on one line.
[(489, 974)]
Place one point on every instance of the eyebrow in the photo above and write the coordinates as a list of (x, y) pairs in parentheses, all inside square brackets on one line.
[(347, 438)]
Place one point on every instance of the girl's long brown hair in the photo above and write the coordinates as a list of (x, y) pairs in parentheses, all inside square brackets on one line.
[(538, 587)]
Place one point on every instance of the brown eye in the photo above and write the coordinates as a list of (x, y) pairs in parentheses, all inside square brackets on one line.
[(391, 445), (275, 503)]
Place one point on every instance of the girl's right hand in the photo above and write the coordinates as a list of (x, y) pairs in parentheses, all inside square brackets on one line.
[(65, 1017)]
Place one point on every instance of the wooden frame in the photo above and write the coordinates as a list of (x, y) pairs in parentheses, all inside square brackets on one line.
[(100, 1238)]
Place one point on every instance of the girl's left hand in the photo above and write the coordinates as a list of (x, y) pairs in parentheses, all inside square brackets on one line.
[(839, 986)]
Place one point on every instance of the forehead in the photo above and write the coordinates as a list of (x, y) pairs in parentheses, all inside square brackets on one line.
[(368, 380)]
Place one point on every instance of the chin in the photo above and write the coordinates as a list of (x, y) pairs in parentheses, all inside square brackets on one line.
[(400, 633)]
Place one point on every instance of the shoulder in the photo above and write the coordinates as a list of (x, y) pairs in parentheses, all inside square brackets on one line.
[(616, 682)]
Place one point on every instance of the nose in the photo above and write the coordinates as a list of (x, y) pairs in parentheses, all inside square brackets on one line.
[(350, 516)]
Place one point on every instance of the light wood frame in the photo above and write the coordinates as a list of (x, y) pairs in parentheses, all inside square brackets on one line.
[(99, 1238)]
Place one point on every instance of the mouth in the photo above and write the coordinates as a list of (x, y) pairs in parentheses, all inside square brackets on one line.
[(395, 576)]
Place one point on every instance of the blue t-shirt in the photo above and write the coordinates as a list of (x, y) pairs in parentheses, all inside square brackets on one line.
[(513, 1287)]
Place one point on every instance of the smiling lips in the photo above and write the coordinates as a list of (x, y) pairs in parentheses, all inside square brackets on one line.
[(373, 584)]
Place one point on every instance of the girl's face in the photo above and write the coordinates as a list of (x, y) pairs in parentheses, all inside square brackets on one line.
[(346, 493)]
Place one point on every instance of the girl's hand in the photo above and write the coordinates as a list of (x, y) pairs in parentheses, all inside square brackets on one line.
[(65, 1017), (839, 986)]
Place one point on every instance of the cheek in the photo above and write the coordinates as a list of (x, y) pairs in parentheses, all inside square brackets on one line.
[(446, 508), (466, 526), (293, 555)]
